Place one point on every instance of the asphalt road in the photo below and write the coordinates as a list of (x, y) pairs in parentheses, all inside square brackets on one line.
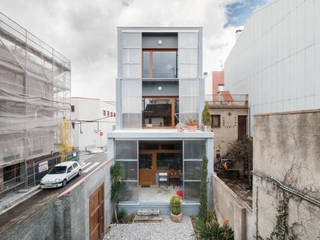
[(25, 209)]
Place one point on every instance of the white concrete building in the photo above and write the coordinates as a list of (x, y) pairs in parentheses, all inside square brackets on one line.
[(92, 120), (276, 58), (276, 62)]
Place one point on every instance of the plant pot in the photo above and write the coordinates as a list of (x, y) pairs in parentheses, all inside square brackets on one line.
[(176, 218), (192, 127), (180, 127)]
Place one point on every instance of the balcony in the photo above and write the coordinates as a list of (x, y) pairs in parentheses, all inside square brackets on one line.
[(227, 100)]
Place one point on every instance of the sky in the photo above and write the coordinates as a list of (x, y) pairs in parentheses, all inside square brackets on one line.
[(85, 31)]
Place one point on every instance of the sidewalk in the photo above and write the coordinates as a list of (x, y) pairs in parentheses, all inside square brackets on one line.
[(14, 198)]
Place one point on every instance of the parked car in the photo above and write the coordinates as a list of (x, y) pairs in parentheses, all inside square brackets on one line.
[(59, 175)]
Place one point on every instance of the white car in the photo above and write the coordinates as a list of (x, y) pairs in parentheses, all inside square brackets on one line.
[(59, 175)]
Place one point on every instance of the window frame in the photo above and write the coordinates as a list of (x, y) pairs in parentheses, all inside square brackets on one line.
[(219, 117), (173, 109), (151, 50)]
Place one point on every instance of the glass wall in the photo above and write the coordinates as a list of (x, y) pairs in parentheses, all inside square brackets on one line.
[(193, 151), (126, 155)]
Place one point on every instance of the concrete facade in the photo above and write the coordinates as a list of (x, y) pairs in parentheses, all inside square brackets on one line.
[(67, 217), (286, 148), (230, 207), (91, 134)]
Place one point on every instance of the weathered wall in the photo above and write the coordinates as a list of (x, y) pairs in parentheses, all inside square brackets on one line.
[(74, 206), (229, 206), (39, 226), (228, 131), (287, 147)]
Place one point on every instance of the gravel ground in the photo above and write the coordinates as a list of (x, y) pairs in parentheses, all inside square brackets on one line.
[(165, 230)]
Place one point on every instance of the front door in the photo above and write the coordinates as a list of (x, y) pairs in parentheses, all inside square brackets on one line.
[(147, 168), (96, 214), (242, 127)]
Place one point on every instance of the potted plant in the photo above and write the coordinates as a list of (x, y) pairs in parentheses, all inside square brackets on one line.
[(206, 118), (192, 125), (175, 207)]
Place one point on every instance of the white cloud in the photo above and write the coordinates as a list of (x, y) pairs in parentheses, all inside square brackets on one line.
[(85, 31)]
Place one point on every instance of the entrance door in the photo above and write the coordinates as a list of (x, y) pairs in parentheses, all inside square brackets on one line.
[(147, 168), (242, 127), (96, 214)]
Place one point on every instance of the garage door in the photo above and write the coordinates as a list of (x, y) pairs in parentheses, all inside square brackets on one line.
[(96, 208)]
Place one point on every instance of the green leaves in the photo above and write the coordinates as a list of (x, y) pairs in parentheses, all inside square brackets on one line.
[(117, 173), (206, 115), (203, 190)]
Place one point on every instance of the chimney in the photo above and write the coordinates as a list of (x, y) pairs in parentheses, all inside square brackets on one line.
[(238, 33)]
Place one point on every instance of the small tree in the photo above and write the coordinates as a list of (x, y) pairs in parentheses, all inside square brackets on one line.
[(203, 190), (117, 174), (206, 115)]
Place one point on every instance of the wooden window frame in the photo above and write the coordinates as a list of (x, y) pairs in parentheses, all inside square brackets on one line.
[(216, 115), (173, 106), (151, 50)]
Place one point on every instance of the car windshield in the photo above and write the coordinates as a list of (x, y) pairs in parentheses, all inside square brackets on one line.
[(58, 170)]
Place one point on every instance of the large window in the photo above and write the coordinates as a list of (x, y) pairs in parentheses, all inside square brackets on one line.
[(159, 63), (159, 112)]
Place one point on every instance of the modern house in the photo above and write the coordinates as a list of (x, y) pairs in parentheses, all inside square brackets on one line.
[(160, 84), (92, 119)]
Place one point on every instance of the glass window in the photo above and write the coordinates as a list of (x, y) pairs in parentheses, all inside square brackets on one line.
[(145, 161), (194, 149), (215, 121), (130, 192), (146, 64), (130, 170), (160, 64), (157, 112), (167, 161), (192, 170), (164, 64), (126, 149), (192, 191)]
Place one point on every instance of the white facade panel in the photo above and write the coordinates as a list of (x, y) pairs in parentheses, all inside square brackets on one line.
[(276, 58), (131, 91)]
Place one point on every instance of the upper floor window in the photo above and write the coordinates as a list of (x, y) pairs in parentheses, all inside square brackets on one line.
[(215, 121), (160, 112), (159, 63)]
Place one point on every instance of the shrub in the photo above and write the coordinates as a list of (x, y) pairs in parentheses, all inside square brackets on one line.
[(175, 205), (122, 216), (206, 115), (203, 190), (213, 231)]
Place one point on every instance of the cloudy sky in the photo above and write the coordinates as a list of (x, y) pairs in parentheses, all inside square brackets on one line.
[(85, 31)]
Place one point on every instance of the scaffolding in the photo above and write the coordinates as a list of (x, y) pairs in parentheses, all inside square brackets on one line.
[(34, 99)]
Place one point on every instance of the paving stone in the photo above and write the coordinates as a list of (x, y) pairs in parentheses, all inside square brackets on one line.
[(164, 230)]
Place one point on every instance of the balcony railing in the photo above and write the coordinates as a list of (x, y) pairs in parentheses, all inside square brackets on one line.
[(226, 97)]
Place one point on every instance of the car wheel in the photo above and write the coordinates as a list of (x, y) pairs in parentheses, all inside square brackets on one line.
[(80, 172), (64, 182)]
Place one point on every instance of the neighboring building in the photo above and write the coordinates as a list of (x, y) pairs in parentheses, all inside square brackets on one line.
[(160, 84), (276, 62), (228, 115), (217, 82), (34, 98), (92, 120)]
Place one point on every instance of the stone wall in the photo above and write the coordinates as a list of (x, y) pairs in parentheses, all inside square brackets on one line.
[(287, 148), (229, 206)]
